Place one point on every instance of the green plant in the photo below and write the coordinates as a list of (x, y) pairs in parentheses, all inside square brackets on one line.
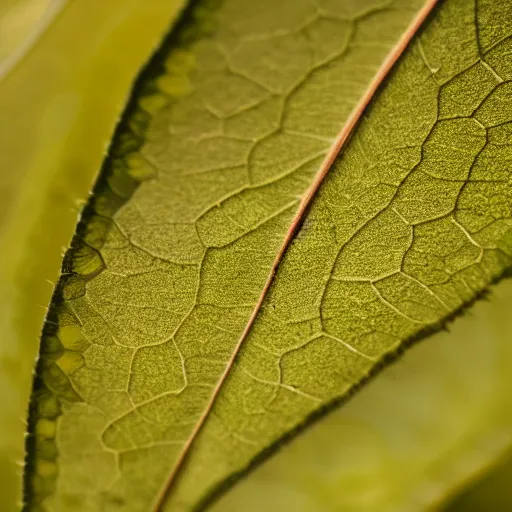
[(243, 267)]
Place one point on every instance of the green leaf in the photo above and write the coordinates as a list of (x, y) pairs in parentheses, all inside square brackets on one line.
[(414, 435), (491, 492), (51, 93), (22, 24), (213, 302)]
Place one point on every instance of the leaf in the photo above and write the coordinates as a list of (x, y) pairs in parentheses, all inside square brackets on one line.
[(22, 24), (49, 156), (409, 438), (492, 492), (176, 353)]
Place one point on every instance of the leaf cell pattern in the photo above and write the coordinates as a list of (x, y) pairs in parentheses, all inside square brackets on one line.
[(203, 180), (402, 234)]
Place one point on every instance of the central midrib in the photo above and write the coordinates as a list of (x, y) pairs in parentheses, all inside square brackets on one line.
[(305, 202)]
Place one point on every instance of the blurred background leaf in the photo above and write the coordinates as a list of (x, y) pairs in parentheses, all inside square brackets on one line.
[(22, 22), (491, 491)]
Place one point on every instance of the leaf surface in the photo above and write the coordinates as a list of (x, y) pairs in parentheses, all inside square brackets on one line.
[(161, 355), (413, 436)]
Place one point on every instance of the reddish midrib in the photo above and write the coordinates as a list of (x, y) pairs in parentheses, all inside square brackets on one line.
[(338, 144)]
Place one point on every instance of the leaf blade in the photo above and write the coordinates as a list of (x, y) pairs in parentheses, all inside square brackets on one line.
[(113, 294)]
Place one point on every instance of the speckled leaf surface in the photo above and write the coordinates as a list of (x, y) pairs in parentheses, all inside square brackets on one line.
[(422, 430), (152, 369)]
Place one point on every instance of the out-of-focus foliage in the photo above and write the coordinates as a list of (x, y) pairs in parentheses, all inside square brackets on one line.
[(492, 492), (22, 23)]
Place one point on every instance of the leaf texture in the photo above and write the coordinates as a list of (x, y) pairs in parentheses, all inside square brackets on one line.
[(228, 128), (412, 437)]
